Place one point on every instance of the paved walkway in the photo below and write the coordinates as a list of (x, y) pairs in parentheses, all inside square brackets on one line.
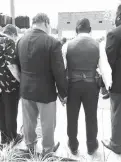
[(102, 154)]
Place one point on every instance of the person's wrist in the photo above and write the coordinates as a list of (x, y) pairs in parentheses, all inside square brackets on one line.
[(62, 96)]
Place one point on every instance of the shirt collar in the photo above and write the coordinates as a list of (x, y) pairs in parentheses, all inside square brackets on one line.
[(40, 30), (84, 34)]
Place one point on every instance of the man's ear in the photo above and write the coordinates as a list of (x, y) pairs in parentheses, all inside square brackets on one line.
[(45, 24), (76, 30), (90, 29), (118, 19)]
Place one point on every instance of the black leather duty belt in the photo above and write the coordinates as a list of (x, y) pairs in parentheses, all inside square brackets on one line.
[(87, 77)]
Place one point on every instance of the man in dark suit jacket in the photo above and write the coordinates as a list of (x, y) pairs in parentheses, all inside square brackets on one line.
[(42, 67), (113, 50)]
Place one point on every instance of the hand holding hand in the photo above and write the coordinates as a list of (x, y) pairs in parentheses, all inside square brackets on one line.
[(63, 101)]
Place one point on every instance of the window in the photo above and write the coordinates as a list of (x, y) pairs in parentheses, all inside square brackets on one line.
[(100, 22), (68, 22)]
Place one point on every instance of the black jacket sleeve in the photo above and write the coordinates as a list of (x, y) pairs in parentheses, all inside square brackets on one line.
[(58, 69), (111, 48)]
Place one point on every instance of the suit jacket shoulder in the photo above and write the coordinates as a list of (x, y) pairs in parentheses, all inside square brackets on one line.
[(116, 32), (54, 40), (53, 43)]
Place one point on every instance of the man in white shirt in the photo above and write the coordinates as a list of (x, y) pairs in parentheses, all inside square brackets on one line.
[(82, 56)]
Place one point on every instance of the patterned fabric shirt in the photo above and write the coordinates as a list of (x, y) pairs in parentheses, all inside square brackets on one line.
[(7, 57)]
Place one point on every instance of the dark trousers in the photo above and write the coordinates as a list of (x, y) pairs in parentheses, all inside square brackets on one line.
[(116, 120), (8, 115), (86, 93)]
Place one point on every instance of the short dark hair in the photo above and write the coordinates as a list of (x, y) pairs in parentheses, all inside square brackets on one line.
[(10, 30), (64, 40), (119, 8), (83, 25), (41, 18)]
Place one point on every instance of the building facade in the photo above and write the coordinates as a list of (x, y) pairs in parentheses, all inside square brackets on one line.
[(100, 20)]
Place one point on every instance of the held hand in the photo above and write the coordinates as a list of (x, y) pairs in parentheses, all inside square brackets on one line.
[(63, 101), (108, 86)]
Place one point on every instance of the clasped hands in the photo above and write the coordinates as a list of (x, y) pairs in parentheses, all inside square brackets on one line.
[(62, 100)]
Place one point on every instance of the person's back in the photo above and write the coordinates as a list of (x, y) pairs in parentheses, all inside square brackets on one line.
[(8, 84), (9, 87), (35, 65), (113, 50), (82, 56), (42, 69), (36, 54), (114, 58)]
